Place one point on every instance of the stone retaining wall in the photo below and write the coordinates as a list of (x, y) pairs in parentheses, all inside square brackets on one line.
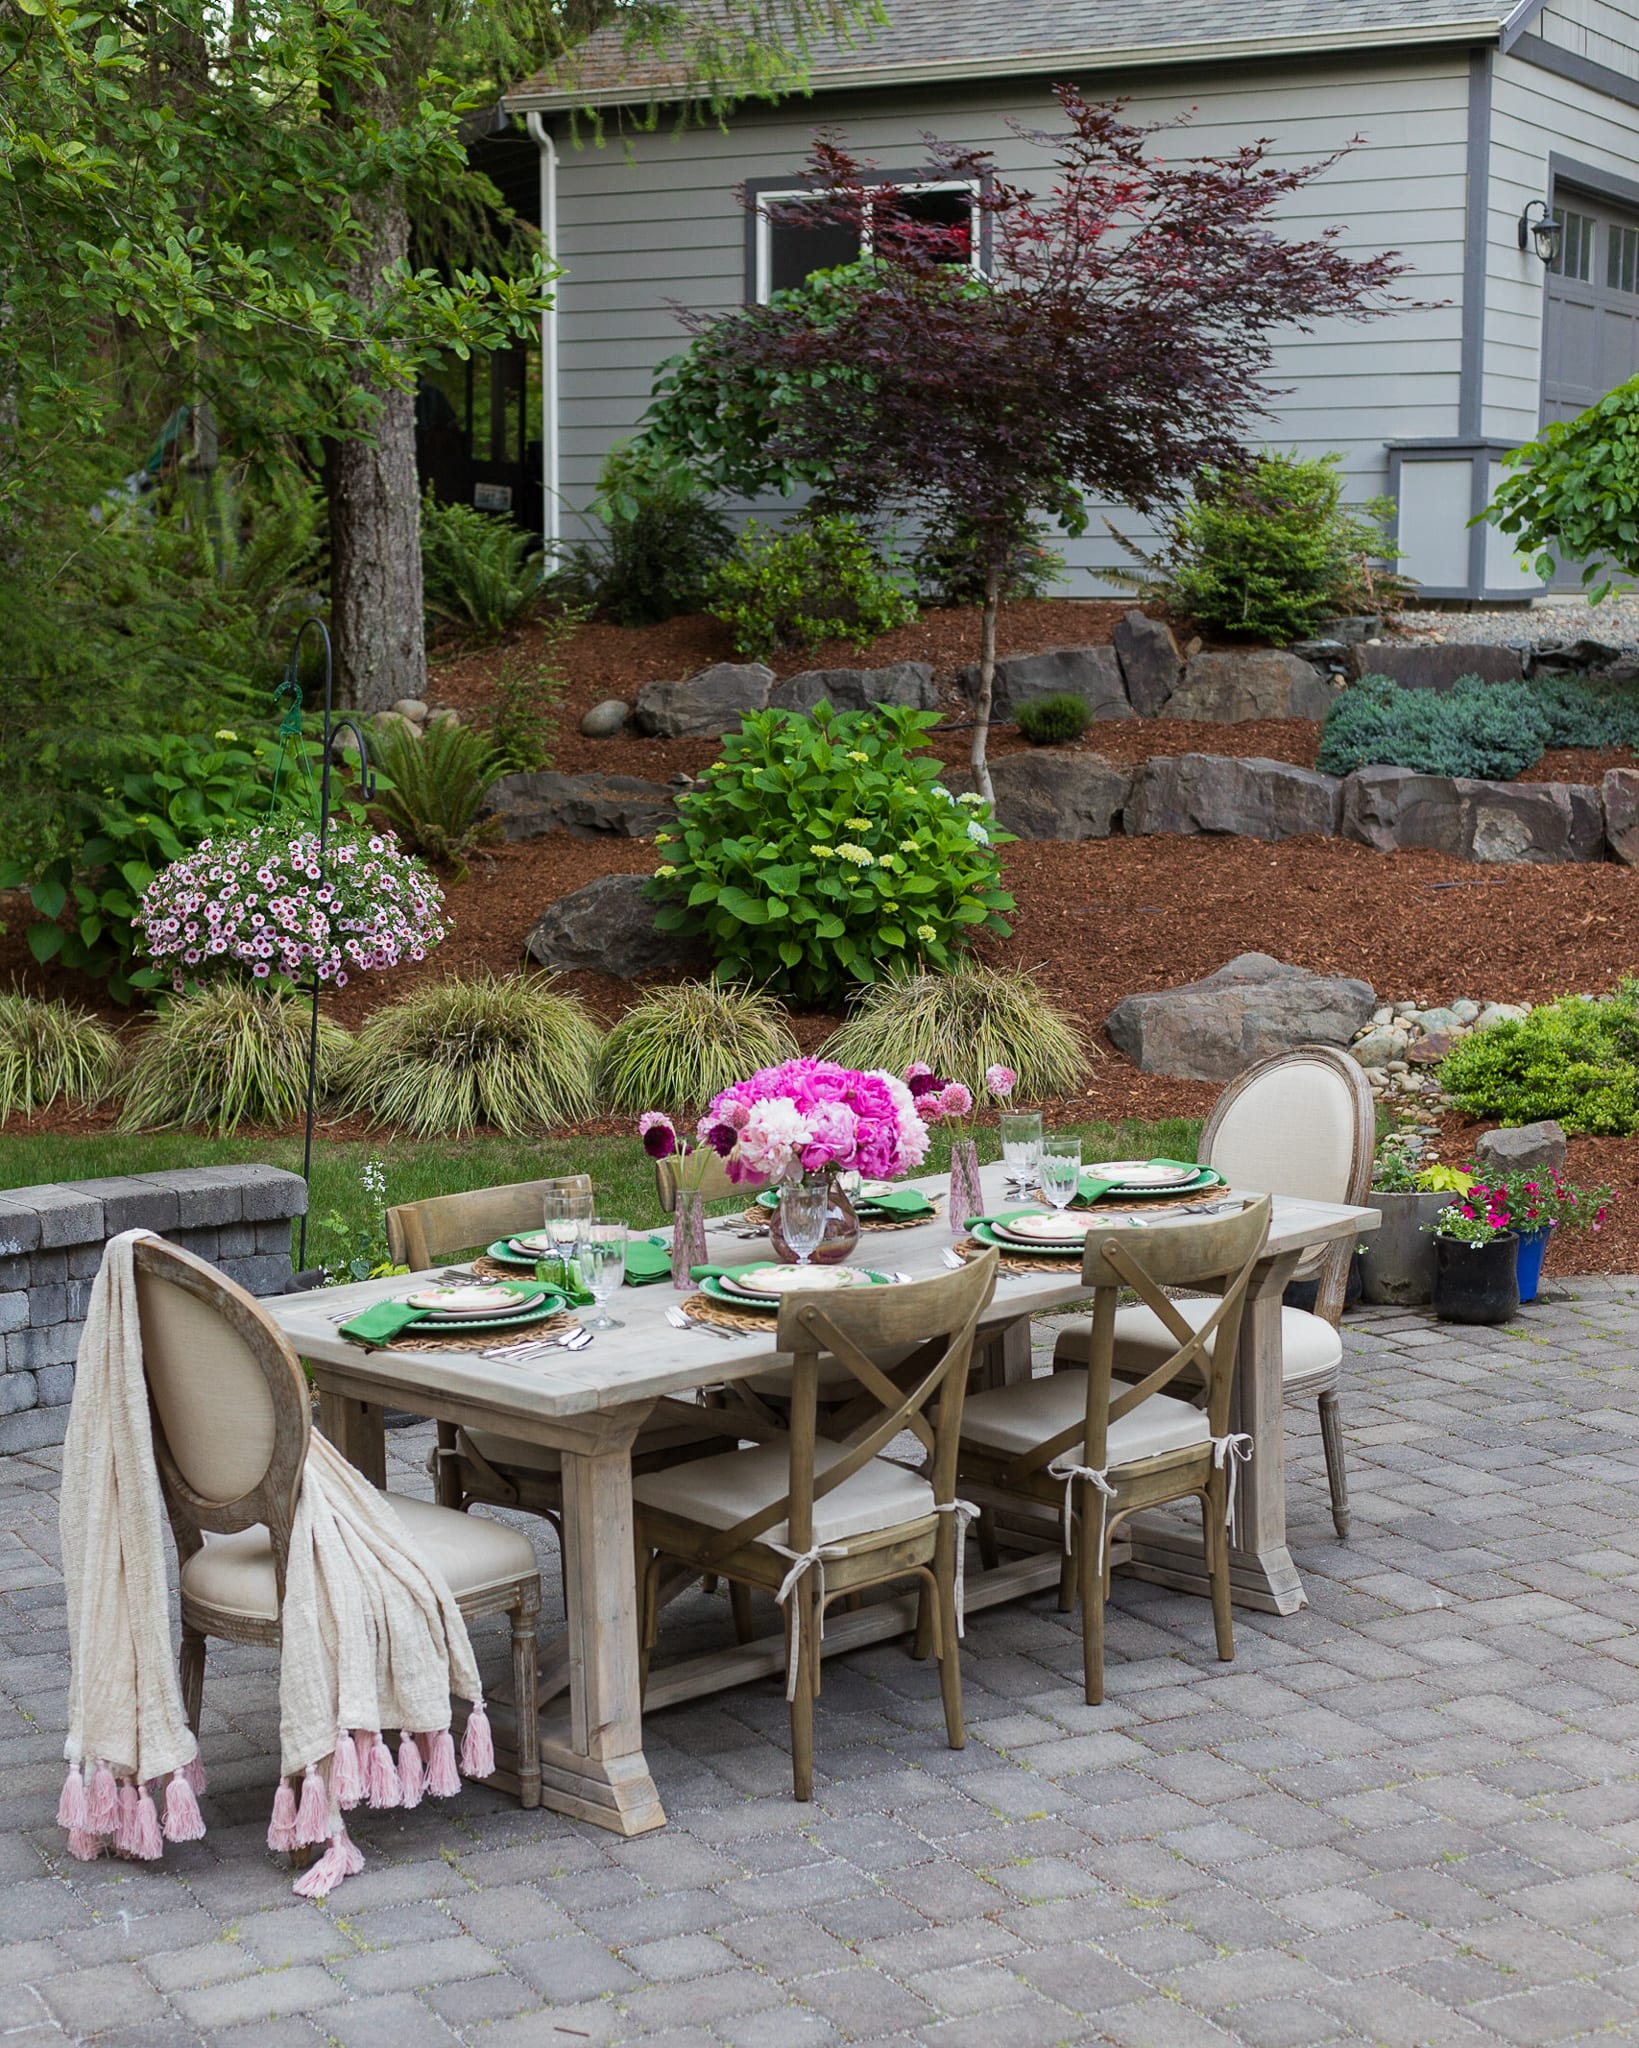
[(51, 1244)]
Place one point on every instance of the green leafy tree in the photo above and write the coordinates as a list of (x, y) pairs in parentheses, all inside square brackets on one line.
[(1572, 494)]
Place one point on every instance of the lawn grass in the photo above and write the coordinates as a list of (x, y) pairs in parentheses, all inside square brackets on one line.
[(415, 1169)]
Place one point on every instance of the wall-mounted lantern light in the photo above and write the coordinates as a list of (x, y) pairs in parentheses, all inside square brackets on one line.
[(1541, 227)]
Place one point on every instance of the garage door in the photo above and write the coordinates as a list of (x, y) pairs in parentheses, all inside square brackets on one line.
[(1592, 339)]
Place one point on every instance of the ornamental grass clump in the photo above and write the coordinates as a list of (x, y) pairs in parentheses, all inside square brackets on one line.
[(681, 1046), (49, 1053), (821, 852), (963, 1025), (508, 1051), (234, 1054), (269, 901)]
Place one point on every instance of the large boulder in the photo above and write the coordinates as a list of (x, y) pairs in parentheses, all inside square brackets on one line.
[(1150, 662), (1056, 793), (1214, 1029), (1233, 686), (1255, 799), (608, 928), (583, 805), (1521, 1148), (1091, 673), (705, 705), (1620, 791), (1436, 665), (907, 683), (1538, 823)]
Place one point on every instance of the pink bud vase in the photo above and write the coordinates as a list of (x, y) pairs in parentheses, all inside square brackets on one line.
[(688, 1235), (966, 1201)]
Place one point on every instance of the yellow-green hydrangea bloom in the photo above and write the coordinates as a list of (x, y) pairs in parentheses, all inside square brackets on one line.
[(857, 855), (859, 824), (822, 852), (665, 871), (926, 933)]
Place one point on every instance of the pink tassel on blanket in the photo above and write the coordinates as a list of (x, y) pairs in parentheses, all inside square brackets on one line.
[(380, 1778), (183, 1820), (125, 1828), (86, 1846), (412, 1773), (71, 1806), (443, 1779), (102, 1807), (194, 1772), (146, 1839), (340, 1860), (281, 1829), (346, 1779), (313, 1815), (478, 1745)]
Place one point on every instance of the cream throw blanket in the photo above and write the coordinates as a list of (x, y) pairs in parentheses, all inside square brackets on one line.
[(372, 1638)]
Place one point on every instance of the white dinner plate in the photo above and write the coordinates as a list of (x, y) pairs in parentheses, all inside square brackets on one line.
[(472, 1301), (1139, 1173), (1061, 1227), (768, 1281)]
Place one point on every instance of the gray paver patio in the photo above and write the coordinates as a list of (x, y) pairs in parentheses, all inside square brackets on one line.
[(1407, 1815)]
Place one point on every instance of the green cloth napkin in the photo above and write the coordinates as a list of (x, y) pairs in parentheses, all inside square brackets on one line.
[(708, 1272), (900, 1202), (384, 1320), (647, 1262)]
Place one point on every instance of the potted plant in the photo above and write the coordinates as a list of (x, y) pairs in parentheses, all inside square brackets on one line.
[(1397, 1264), (1539, 1206), (1476, 1250)]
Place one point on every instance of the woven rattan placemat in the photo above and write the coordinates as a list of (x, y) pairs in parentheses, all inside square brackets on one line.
[(701, 1308), (442, 1338)]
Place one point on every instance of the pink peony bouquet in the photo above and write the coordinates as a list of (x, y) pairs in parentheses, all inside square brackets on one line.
[(813, 1117), (264, 901)]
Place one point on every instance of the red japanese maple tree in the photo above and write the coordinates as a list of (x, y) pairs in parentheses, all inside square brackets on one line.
[(1115, 340)]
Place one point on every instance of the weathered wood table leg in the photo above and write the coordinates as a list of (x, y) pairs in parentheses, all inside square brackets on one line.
[(357, 1430), (1168, 1551), (592, 1761)]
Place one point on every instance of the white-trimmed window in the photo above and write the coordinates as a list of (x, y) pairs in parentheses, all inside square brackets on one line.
[(785, 249)]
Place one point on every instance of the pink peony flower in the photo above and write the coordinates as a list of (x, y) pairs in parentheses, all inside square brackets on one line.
[(1000, 1081), (659, 1134), (954, 1100)]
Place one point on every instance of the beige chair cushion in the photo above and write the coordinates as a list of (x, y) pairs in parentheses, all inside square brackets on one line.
[(1008, 1421), (720, 1492), (235, 1573), (1311, 1350)]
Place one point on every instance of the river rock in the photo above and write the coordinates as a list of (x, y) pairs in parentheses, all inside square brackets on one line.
[(908, 683), (606, 720), (608, 928), (1256, 799), (585, 806), (1538, 823), (705, 705), (1379, 1046), (1230, 687), (1091, 673), (1620, 791), (1212, 1030), (1056, 793), (1436, 665), (413, 709), (1150, 662), (1519, 1149)]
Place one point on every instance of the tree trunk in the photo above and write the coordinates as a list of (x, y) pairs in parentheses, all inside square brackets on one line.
[(987, 683), (375, 518)]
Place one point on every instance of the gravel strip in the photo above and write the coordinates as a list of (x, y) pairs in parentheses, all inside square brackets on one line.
[(1616, 622)]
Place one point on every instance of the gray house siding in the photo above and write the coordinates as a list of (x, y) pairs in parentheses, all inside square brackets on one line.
[(1603, 31), (656, 220)]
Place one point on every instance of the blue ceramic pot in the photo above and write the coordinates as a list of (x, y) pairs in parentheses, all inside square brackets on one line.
[(1533, 1247)]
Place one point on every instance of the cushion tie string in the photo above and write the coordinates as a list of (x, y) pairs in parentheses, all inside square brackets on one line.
[(965, 1512), (1099, 1479), (811, 1560), (1229, 1454)]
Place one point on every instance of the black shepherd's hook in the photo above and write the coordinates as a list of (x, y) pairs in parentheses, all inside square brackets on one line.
[(292, 689)]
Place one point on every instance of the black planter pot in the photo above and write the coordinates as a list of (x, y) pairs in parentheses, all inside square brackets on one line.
[(1476, 1283)]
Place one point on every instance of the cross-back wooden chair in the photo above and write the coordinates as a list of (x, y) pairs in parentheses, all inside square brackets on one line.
[(473, 1465), (231, 1421), (1101, 1448), (1300, 1123), (810, 1518)]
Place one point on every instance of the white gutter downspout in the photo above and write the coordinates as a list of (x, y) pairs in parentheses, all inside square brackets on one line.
[(550, 499)]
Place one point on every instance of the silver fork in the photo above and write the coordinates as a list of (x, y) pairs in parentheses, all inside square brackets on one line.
[(680, 1321)]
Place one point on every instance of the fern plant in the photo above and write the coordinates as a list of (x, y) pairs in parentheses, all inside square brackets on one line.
[(51, 1053), (234, 1054), (510, 1051), (961, 1023), (681, 1046), (435, 788), (478, 571)]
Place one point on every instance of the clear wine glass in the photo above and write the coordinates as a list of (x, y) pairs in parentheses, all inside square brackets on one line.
[(1060, 1170), (603, 1268), (568, 1207), (802, 1217), (1021, 1148)]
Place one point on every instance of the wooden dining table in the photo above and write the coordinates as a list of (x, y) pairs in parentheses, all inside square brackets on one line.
[(589, 1405)]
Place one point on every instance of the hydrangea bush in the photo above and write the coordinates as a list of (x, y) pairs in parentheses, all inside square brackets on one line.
[(821, 852), (263, 901)]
